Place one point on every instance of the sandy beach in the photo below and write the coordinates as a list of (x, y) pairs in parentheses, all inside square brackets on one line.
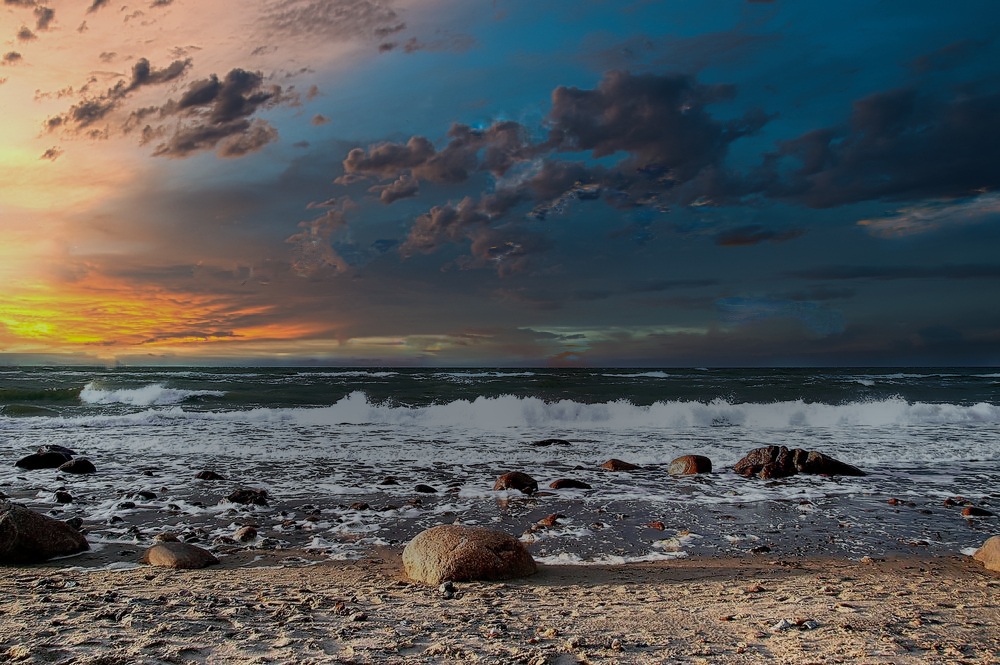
[(707, 610)]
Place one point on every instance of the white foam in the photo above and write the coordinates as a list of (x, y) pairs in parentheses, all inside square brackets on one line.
[(151, 395), (651, 375)]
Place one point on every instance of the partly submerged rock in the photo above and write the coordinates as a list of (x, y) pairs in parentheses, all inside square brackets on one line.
[(208, 474), (690, 465), (461, 553), (550, 442), (79, 465), (974, 511), (515, 480), (618, 465), (246, 534), (249, 496), (178, 555), (569, 483), (780, 462), (46, 460), (426, 489), (30, 537)]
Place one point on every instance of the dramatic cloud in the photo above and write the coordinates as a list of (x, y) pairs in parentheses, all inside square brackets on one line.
[(95, 109), (659, 122), (753, 235), (935, 215), (43, 17), (11, 58), (211, 112), (404, 188), (969, 271), (898, 145), (319, 120), (97, 4), (51, 154), (161, 3), (220, 109), (25, 35), (313, 250)]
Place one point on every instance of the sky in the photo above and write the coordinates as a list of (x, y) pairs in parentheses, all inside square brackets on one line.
[(500, 182)]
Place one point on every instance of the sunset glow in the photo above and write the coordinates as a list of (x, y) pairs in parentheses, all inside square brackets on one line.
[(505, 182)]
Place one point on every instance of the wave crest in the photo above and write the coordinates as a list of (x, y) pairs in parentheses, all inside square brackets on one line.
[(152, 395)]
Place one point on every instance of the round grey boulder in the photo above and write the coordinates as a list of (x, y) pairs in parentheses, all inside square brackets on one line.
[(456, 553), (989, 554), (178, 555)]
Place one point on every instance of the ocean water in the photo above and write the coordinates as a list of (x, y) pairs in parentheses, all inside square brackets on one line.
[(322, 440)]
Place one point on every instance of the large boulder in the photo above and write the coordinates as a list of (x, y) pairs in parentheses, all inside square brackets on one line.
[(989, 554), (30, 537), (515, 480), (456, 553), (48, 460), (178, 555), (690, 465), (780, 462)]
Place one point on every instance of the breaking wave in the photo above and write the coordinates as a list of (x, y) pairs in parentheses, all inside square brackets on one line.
[(151, 395)]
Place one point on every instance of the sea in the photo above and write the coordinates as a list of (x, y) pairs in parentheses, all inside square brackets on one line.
[(341, 451)]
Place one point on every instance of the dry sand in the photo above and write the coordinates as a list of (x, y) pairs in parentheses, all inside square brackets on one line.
[(914, 610)]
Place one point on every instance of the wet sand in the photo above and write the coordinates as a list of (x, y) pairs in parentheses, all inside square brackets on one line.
[(256, 608)]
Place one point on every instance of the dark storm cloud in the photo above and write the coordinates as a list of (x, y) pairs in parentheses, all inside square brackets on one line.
[(659, 122), (898, 145), (221, 109), (332, 19), (20, 3), (90, 111), (968, 271), (211, 112), (11, 58), (657, 119), (753, 235), (43, 17), (947, 57), (161, 3), (501, 145), (25, 34), (52, 154), (259, 134), (404, 188), (443, 223), (97, 4)]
